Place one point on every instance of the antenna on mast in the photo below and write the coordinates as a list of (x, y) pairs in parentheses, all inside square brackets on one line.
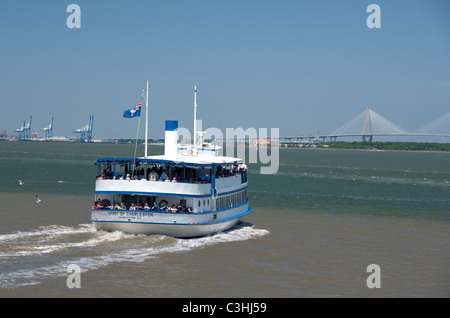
[(195, 120)]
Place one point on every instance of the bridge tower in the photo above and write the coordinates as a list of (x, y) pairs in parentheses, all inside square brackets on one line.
[(372, 124), (367, 127)]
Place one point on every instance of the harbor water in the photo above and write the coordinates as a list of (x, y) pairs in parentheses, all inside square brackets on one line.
[(316, 226)]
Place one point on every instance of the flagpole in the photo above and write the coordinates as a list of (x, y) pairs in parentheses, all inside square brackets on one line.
[(195, 120), (146, 122)]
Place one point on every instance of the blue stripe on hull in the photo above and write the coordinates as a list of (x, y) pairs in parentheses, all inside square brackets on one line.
[(184, 231)]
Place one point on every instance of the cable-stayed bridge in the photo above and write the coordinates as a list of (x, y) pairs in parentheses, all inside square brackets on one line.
[(369, 124), (438, 126)]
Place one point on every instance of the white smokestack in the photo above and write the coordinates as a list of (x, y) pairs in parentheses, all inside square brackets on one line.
[(171, 138)]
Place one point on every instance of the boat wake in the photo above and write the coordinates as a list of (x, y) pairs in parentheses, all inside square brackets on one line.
[(45, 233), (29, 258)]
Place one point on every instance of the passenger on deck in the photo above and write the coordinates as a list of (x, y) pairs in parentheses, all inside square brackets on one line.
[(173, 209), (153, 176), (146, 206), (190, 209), (99, 204), (163, 175), (155, 206)]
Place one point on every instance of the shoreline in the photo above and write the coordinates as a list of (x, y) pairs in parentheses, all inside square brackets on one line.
[(382, 146), (355, 145), (375, 150)]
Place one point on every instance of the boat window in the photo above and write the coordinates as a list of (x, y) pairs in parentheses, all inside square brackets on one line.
[(152, 171), (227, 201)]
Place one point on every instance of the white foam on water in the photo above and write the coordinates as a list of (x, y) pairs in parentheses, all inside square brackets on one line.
[(36, 275), (49, 230), (32, 243), (180, 245)]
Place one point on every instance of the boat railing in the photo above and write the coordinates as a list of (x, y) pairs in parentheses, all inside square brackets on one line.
[(166, 210), (159, 210), (203, 179), (138, 178)]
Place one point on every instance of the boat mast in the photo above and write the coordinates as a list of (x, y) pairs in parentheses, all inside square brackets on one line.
[(146, 122), (195, 120)]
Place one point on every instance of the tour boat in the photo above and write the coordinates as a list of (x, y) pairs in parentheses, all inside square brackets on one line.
[(189, 191)]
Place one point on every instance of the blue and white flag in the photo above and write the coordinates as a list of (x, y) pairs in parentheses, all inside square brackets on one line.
[(134, 112)]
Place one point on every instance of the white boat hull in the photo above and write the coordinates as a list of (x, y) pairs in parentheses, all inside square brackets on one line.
[(180, 225), (173, 230)]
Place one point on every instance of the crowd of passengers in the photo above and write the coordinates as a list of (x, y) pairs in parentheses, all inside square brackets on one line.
[(160, 174), (105, 204)]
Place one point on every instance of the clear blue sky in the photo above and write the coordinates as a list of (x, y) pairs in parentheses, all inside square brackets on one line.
[(301, 66)]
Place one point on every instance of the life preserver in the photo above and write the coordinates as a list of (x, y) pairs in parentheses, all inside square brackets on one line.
[(163, 201)]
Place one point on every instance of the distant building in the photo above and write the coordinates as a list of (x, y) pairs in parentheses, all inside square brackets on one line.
[(65, 139), (262, 142)]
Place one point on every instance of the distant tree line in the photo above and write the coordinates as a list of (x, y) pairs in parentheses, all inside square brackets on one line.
[(140, 141), (389, 145)]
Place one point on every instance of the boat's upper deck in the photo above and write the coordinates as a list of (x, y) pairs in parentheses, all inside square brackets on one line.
[(183, 175), (178, 159)]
